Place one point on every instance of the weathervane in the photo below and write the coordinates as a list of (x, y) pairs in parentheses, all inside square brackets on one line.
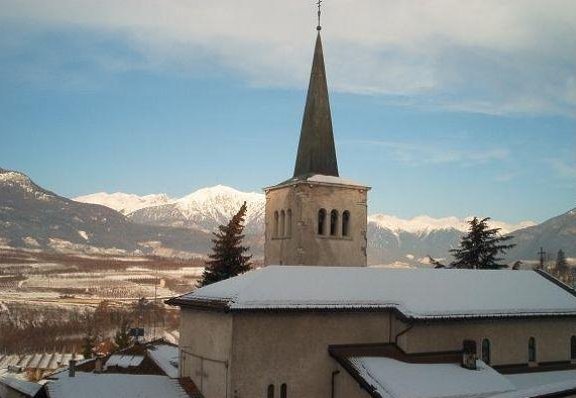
[(319, 4)]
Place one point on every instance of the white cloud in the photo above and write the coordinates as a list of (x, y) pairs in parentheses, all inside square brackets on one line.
[(487, 56), (422, 154)]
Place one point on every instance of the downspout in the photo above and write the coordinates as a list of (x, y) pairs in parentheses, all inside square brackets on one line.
[(410, 326), (334, 374)]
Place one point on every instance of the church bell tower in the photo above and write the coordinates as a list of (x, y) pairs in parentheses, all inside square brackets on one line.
[(316, 217)]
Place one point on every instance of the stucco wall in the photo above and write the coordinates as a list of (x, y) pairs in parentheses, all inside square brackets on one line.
[(293, 349), (508, 338), (302, 245), (205, 347)]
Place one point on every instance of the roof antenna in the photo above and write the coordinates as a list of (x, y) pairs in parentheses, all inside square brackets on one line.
[(319, 4)]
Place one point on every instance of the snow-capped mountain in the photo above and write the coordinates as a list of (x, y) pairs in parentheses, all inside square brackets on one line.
[(33, 217), (205, 209), (125, 203), (427, 224), (390, 239)]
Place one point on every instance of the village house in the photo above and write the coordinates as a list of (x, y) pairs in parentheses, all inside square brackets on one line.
[(316, 322)]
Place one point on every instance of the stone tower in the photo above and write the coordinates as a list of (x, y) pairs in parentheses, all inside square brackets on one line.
[(316, 217)]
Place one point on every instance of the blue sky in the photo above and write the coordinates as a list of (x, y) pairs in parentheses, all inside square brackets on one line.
[(445, 110)]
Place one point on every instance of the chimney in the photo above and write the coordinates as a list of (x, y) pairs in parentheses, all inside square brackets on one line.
[(98, 365), (72, 368)]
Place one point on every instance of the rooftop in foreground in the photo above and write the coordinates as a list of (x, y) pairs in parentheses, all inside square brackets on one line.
[(414, 293)]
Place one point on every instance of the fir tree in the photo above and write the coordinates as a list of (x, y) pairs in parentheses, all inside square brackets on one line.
[(481, 247), (88, 344), (228, 256), (122, 337)]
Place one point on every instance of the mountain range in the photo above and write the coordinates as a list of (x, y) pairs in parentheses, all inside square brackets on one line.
[(33, 217)]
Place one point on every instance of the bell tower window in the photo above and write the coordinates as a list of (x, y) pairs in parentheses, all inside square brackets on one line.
[(321, 221), (346, 223), (275, 224), (288, 223), (334, 223), (282, 223)]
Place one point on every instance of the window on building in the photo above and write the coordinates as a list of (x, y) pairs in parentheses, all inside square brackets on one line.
[(275, 224), (270, 391), (282, 223), (321, 221), (573, 348), (333, 222), (531, 349), (289, 223), (346, 223), (486, 351), (283, 391)]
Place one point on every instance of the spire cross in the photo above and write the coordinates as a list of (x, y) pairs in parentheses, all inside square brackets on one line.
[(319, 4)]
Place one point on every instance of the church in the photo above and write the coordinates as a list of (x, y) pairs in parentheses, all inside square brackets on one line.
[(316, 322)]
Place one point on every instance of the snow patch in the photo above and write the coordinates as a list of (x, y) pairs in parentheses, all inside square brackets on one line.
[(123, 202)]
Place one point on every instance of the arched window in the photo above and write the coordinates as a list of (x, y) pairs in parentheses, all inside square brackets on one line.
[(275, 224), (573, 348), (321, 221), (270, 391), (288, 223), (531, 349), (486, 351), (283, 391), (346, 223), (334, 223), (282, 223)]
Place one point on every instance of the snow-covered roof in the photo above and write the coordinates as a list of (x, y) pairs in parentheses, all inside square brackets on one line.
[(124, 361), (321, 179), (25, 387), (91, 385), (166, 357), (416, 293), (391, 378), (536, 384)]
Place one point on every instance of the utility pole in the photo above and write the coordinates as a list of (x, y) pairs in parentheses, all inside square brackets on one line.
[(542, 254)]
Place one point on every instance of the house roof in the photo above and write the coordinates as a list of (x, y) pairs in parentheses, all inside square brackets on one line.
[(414, 293), (391, 378), (166, 356), (27, 388), (91, 385), (386, 371)]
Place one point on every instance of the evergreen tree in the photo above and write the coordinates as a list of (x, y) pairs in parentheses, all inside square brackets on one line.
[(122, 337), (88, 344), (228, 256), (480, 247), (561, 263)]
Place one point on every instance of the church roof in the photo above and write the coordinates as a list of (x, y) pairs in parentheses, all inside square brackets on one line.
[(321, 179), (413, 293), (316, 150)]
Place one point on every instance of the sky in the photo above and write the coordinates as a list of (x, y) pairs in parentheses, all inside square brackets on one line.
[(444, 107)]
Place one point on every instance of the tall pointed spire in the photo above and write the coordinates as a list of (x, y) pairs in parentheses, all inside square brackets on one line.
[(316, 150)]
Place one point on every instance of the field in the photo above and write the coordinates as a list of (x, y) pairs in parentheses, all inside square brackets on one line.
[(52, 301)]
